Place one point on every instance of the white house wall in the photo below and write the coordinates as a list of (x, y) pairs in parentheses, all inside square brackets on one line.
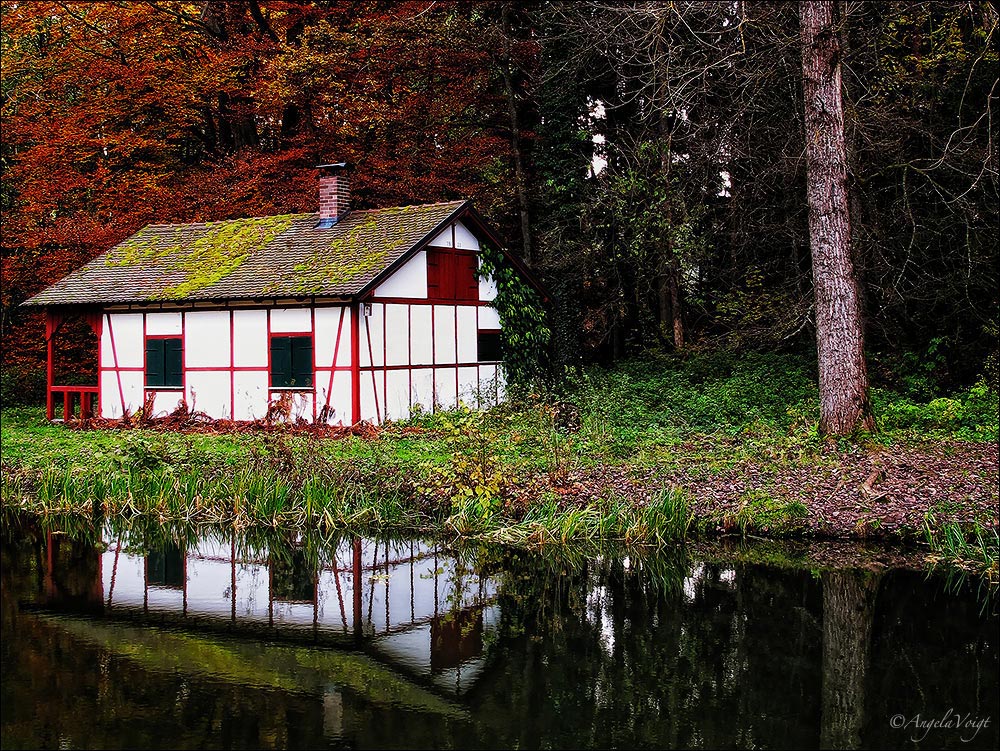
[(464, 239), (209, 391), (489, 319), (165, 324), (422, 388), (397, 340), (444, 334), (421, 338), (487, 288), (467, 333), (121, 341), (410, 280), (291, 321), (206, 339), (250, 393), (226, 362), (456, 235), (443, 238), (250, 338), (333, 325)]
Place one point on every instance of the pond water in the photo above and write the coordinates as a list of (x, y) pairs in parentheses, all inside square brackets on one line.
[(144, 637)]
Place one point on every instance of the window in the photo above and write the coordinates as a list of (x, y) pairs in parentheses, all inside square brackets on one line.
[(164, 363), (292, 361), (489, 346), (451, 275), (292, 578), (165, 566)]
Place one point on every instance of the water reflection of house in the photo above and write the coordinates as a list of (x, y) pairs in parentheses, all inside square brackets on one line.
[(411, 604)]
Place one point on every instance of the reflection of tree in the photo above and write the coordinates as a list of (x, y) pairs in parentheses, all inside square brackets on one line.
[(781, 650), (933, 649), (848, 607)]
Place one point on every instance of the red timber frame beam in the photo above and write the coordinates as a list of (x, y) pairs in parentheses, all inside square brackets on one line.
[(355, 362), (52, 324)]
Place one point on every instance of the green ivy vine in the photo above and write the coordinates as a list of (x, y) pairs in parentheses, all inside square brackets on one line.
[(525, 334)]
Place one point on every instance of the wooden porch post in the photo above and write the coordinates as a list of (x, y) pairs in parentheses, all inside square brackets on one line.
[(50, 330)]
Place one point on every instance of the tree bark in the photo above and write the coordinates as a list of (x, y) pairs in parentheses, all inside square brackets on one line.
[(674, 278), (843, 376), (670, 269), (515, 134)]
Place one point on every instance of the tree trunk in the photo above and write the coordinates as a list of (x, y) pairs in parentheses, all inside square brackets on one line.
[(675, 302), (670, 270), (843, 377), (515, 135)]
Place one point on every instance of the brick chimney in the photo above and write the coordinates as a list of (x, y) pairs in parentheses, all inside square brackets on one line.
[(334, 193)]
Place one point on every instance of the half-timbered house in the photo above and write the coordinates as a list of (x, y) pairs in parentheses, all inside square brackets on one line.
[(340, 315)]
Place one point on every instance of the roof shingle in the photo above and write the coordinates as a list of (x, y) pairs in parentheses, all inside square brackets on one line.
[(265, 257)]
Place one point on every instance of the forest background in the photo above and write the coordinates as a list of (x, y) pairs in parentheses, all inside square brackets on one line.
[(646, 159)]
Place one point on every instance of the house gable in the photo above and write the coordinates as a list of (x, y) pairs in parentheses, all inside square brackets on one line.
[(429, 269)]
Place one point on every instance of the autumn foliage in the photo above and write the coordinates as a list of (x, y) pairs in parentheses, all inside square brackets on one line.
[(116, 115), (693, 236)]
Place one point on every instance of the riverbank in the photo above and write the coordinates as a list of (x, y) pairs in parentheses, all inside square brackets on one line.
[(649, 452)]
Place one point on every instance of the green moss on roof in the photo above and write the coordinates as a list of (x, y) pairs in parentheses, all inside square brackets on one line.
[(214, 254), (361, 252), (221, 250), (144, 247)]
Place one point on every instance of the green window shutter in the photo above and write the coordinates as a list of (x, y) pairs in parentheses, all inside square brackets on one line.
[(281, 361), (302, 361), (173, 362), (154, 362)]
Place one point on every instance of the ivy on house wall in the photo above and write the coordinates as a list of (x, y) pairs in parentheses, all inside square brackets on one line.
[(525, 333)]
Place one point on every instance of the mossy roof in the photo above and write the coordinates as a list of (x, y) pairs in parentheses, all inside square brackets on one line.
[(263, 257)]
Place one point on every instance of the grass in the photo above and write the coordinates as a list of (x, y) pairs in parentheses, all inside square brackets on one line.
[(971, 549), (665, 519), (464, 472), (759, 512)]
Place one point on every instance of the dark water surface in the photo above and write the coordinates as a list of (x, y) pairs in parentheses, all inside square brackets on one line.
[(143, 637)]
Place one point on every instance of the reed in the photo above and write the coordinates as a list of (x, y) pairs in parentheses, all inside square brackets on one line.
[(972, 549)]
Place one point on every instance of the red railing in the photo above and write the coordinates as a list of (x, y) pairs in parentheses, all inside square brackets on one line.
[(87, 400)]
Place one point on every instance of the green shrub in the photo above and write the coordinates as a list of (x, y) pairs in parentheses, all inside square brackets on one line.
[(655, 400), (967, 414), (22, 386)]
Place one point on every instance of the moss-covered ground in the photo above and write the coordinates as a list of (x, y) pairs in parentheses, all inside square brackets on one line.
[(649, 451)]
